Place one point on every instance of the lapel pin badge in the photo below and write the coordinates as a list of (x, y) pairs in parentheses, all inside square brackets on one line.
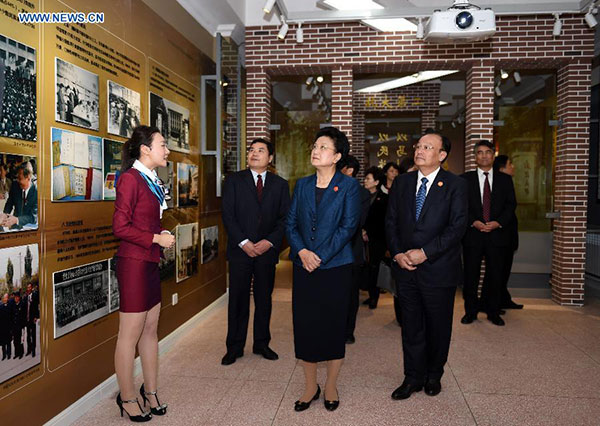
[(335, 189), (440, 184)]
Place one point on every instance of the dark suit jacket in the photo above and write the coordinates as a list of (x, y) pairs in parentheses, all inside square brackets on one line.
[(26, 212), (375, 223), (34, 308), (245, 217), (502, 210), (358, 245), (328, 229), (136, 218), (438, 231)]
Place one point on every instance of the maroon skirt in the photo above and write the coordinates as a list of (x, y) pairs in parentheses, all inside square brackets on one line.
[(139, 284)]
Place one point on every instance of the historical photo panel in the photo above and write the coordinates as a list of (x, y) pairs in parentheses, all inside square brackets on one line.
[(210, 243), (80, 296), (18, 193), (18, 94), (111, 167), (165, 174), (172, 120), (186, 242), (19, 310), (166, 264), (77, 96), (113, 285), (187, 185), (124, 106), (76, 166)]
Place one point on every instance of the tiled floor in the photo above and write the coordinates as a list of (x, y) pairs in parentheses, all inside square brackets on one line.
[(543, 368)]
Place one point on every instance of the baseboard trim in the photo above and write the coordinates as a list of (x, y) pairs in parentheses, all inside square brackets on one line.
[(109, 387)]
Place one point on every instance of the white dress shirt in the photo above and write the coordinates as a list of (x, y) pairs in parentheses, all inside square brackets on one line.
[(481, 177), (430, 178), (255, 177)]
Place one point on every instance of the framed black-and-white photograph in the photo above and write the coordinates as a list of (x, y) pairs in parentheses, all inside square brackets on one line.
[(165, 174), (18, 90), (19, 310), (186, 243), (76, 96), (210, 243), (187, 185), (113, 286), (166, 264), (80, 296), (172, 120), (18, 173), (124, 106)]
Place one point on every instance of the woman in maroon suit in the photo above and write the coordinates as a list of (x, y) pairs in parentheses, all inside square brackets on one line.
[(136, 222)]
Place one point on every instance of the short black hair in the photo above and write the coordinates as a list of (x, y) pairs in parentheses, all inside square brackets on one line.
[(486, 143), (377, 174), (270, 145), (500, 162), (391, 164), (340, 141), (352, 163)]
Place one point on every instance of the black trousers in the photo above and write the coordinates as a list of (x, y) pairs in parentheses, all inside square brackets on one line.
[(494, 266), (426, 329), (505, 297), (357, 276), (17, 336), (31, 332), (6, 348), (262, 278)]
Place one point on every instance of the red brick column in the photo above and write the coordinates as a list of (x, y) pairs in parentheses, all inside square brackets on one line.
[(358, 144), (341, 101), (479, 117), (571, 183), (428, 120), (258, 103)]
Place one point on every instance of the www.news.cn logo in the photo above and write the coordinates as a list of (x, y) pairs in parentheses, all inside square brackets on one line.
[(62, 18)]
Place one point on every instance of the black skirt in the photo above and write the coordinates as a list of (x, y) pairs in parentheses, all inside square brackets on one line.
[(320, 301)]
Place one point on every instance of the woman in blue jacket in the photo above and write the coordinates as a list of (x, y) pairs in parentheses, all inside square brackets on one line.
[(323, 217)]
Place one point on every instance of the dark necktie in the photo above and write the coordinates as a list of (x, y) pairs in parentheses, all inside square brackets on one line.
[(259, 187), (487, 199), (421, 195), (23, 201)]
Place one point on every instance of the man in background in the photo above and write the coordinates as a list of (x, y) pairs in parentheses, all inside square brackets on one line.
[(22, 204)]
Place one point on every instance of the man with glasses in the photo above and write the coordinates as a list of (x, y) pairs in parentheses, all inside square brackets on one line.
[(492, 206), (425, 221), (255, 206)]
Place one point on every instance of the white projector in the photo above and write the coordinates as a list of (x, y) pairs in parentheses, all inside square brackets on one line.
[(462, 22)]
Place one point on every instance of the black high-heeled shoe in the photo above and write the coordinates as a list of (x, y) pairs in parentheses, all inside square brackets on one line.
[(140, 418), (301, 405), (161, 410), (332, 405)]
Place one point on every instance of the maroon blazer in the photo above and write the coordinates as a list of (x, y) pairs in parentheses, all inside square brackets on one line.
[(136, 218)]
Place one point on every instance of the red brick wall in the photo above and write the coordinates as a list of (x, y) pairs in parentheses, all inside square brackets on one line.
[(479, 115), (341, 100)]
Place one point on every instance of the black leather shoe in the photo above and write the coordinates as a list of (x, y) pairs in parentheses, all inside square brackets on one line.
[(496, 320), (372, 305), (512, 305), (350, 339), (332, 405), (468, 319), (301, 405), (231, 356), (502, 312), (266, 352), (366, 302), (405, 390), (433, 387)]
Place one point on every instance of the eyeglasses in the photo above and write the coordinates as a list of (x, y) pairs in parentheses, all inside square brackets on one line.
[(418, 147), (322, 148)]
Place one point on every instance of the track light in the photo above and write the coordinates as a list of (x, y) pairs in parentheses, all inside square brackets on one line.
[(299, 33), (557, 25), (517, 77), (309, 80), (498, 91), (420, 29), (268, 6), (284, 29), (315, 89), (453, 124), (319, 79), (589, 17), (503, 74)]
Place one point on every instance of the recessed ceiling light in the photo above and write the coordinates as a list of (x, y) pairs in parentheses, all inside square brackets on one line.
[(352, 4), (319, 79), (407, 81), (391, 24)]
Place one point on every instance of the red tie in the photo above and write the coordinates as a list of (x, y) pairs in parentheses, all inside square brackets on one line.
[(487, 199), (259, 187)]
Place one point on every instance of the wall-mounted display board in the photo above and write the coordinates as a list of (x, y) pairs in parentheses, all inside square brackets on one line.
[(70, 96)]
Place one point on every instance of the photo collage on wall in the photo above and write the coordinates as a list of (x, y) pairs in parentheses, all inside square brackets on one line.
[(18, 173), (124, 108), (19, 310), (172, 120), (77, 96), (187, 185), (186, 246)]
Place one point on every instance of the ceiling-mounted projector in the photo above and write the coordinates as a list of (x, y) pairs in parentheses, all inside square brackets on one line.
[(462, 22)]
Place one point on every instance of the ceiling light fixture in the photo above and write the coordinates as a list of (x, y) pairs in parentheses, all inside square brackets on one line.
[(517, 77), (299, 33), (352, 4), (391, 24), (420, 29), (315, 89), (283, 29), (503, 74), (319, 79), (557, 25), (443, 103), (309, 80), (406, 81), (268, 6), (589, 17), (498, 91)]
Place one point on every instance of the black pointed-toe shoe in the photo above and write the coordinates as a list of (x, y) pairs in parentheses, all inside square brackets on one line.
[(160, 410), (468, 319), (433, 387), (332, 405), (405, 390), (301, 405), (231, 356)]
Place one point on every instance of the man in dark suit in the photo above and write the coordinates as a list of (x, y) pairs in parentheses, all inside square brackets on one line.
[(255, 205), (351, 168), (22, 203), (32, 309), (491, 208), (426, 219), (18, 324), (5, 326)]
